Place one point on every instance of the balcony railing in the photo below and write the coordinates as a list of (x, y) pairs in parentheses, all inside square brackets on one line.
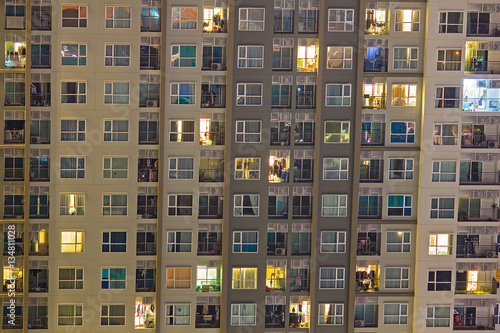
[(480, 178), (370, 318), (367, 285), (480, 140), (207, 321), (209, 249), (377, 65), (14, 136), (374, 137), (477, 251), (482, 67), (275, 320), (491, 214), (491, 29), (468, 323), (211, 175), (368, 249), (147, 175), (371, 212), (476, 288), (37, 322), (481, 104)]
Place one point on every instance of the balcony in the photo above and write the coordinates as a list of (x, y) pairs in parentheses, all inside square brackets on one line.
[(471, 250), (475, 282), (371, 171), (14, 136), (368, 247), (372, 134), (483, 24), (478, 214), (377, 22), (367, 277), (375, 60), (480, 95), (366, 315), (473, 323), (479, 139), (211, 320), (479, 178), (211, 175)]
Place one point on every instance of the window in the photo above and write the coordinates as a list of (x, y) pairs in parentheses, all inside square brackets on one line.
[(113, 278), (395, 313), (214, 18), (114, 204), (334, 205), (150, 16), (118, 17), (115, 130), (39, 206), (74, 54), (332, 242), (446, 134), (442, 208), (278, 202), (213, 95), (74, 92), (178, 277), (399, 205), (307, 55), (337, 131), (397, 277), (282, 53), (40, 51), (338, 95), (438, 316), (183, 56), (478, 22), (208, 278), (177, 314), (246, 205), (301, 238), (41, 16), (116, 93), (69, 314), (302, 202), (249, 94), (214, 54), (117, 55), (281, 91), (146, 206), (279, 166), (244, 278), (146, 241), (145, 277), (245, 241), (180, 204), (407, 20), (71, 278), (340, 20), (449, 60), (335, 168), (149, 91), (331, 278), (331, 314), (72, 167), (71, 241), (150, 53), (440, 244), (444, 171), (247, 168), (303, 166), (182, 93), (451, 22), (339, 57), (72, 130), (14, 164), (184, 18), (401, 168), (114, 241), (179, 241), (402, 132), (447, 97), (304, 128), (72, 204), (308, 17), (398, 241), (180, 167), (209, 239), (182, 131), (439, 281), (371, 170), (405, 57), (211, 169), (248, 131), (306, 93), (404, 95), (74, 16), (115, 167), (40, 130), (14, 89), (251, 19), (283, 18), (243, 314), (251, 56), (112, 314), (280, 128)]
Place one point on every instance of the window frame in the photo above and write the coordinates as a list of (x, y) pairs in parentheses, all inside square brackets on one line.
[(118, 320), (114, 20), (79, 170), (243, 281), (113, 59), (244, 97), (402, 314), (174, 319), (111, 170), (441, 102), (437, 211), (78, 243), (335, 282), (243, 133), (342, 170), (242, 171), (348, 25), (343, 137), (407, 172), (404, 207), (241, 244), (443, 63), (405, 246), (111, 207), (402, 282), (323, 318), (434, 249), (176, 246), (75, 281), (178, 62), (81, 59), (244, 60), (110, 244), (82, 18), (243, 207), (411, 62), (175, 172), (436, 175), (239, 317), (247, 24), (80, 97), (119, 283), (336, 244), (345, 60), (409, 135), (77, 309), (412, 23), (433, 281), (345, 99), (80, 135), (179, 21)]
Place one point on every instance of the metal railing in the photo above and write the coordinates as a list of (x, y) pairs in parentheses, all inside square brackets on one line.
[(211, 175), (377, 65), (463, 322), (480, 140), (209, 249), (480, 178), (481, 104), (368, 249), (367, 285), (275, 320), (482, 66), (479, 287), (491, 214), (374, 137), (207, 321), (477, 251), (14, 136), (371, 212), (491, 29), (369, 319)]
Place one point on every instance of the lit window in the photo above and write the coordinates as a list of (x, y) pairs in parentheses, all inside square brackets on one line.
[(71, 241), (247, 168), (113, 278), (243, 314), (442, 208), (115, 167), (338, 95), (449, 60), (399, 205), (250, 56), (177, 314), (183, 56), (208, 278), (275, 275), (251, 19), (244, 278), (181, 131), (337, 131), (184, 18), (245, 241), (178, 278), (69, 315), (74, 16), (397, 277), (279, 166), (339, 57), (74, 54), (405, 57), (440, 244), (246, 205), (214, 19), (331, 278), (118, 17), (331, 314), (398, 241), (402, 132), (72, 204), (112, 314), (404, 95), (377, 21), (407, 20), (340, 20), (307, 55)]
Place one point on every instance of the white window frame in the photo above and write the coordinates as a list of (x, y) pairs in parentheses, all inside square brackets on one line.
[(175, 243), (445, 24), (345, 99), (78, 132), (77, 308), (452, 63), (407, 98), (81, 97), (337, 316), (341, 172), (245, 23), (244, 134), (76, 234), (78, 56), (343, 62), (177, 320), (192, 98), (436, 209), (175, 280), (115, 20), (111, 97), (179, 9), (110, 60), (112, 133), (340, 134), (179, 46), (241, 93), (78, 170), (404, 204), (236, 315), (240, 243), (110, 196), (404, 283), (336, 282), (109, 268), (404, 247), (79, 18), (434, 249), (110, 317), (179, 133), (441, 90), (72, 210), (440, 173), (337, 244), (410, 63), (108, 172), (245, 62), (402, 24), (173, 173), (407, 172), (110, 243), (348, 24), (243, 280), (242, 172), (431, 318), (435, 281), (176, 206), (439, 138), (241, 197), (341, 205), (402, 314), (75, 281)]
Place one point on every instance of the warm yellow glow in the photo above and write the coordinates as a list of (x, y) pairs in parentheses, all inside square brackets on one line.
[(179, 130), (407, 19), (205, 131), (42, 237), (472, 280), (327, 310), (144, 314), (72, 208), (71, 241)]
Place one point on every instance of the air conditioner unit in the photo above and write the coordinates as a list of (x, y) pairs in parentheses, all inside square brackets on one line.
[(35, 139), (359, 323), (216, 67), (491, 144), (15, 23), (280, 251), (491, 254), (151, 104)]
